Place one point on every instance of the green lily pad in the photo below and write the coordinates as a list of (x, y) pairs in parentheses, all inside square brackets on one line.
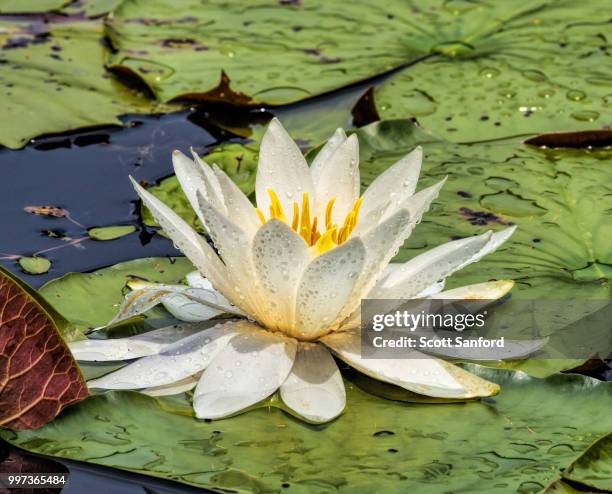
[(55, 80), (594, 468), (34, 265), (110, 232), (31, 6), (239, 161), (517, 442), (502, 69), (263, 52), (92, 299)]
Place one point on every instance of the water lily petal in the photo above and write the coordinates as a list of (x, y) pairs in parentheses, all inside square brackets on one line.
[(280, 256), (213, 190), (186, 309), (197, 250), (195, 178), (338, 177), (420, 374), (251, 367), (196, 280), (173, 363), (392, 186), (239, 209), (489, 290), (176, 388), (281, 167), (423, 270), (325, 287), (314, 388), (141, 345), (338, 137)]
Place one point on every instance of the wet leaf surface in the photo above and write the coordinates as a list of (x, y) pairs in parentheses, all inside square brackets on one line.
[(31, 6), (38, 376), (264, 52), (517, 442), (110, 232), (504, 69), (594, 468)]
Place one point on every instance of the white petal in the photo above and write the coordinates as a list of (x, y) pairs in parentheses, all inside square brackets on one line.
[(314, 388), (280, 257), (489, 290), (250, 368), (239, 209), (422, 271), (325, 287), (196, 280), (141, 345), (338, 177), (235, 249), (174, 363), (213, 191), (186, 309), (281, 167), (202, 256), (420, 374), (394, 185), (326, 151), (195, 178), (178, 387)]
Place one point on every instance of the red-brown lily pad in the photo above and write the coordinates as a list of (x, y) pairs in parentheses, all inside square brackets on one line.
[(38, 376)]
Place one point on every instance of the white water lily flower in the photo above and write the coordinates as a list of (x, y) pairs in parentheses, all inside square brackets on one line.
[(293, 272)]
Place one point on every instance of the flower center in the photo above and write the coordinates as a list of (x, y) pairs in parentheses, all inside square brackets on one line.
[(308, 228)]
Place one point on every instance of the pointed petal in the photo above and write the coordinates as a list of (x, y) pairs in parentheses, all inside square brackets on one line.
[(251, 367), (193, 179), (325, 287), (213, 190), (196, 280), (281, 167), (394, 185), (239, 209), (436, 264), (141, 345), (338, 177), (314, 388), (489, 290), (176, 388), (325, 153), (280, 257), (186, 239), (420, 374), (186, 309), (174, 363)]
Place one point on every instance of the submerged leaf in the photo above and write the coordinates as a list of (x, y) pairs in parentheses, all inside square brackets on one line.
[(110, 232), (38, 376)]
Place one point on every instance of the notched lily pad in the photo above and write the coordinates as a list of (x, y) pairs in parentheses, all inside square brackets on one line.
[(38, 376), (110, 232)]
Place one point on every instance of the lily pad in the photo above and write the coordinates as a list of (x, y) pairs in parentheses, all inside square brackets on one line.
[(54, 80), (110, 232), (515, 443), (31, 6), (92, 299), (594, 468), (260, 52), (502, 69), (239, 161), (34, 265)]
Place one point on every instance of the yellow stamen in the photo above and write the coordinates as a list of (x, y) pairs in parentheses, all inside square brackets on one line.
[(261, 216), (276, 208), (305, 219), (326, 241), (328, 213), (296, 217), (313, 232)]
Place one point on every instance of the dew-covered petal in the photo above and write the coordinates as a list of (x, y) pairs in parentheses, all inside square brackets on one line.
[(319, 161), (314, 388), (250, 368), (416, 372), (489, 290), (175, 362), (186, 309), (338, 178), (176, 388), (281, 167), (196, 280), (141, 345), (213, 190), (394, 185), (195, 178), (416, 275), (239, 208), (197, 250), (325, 287), (280, 257)]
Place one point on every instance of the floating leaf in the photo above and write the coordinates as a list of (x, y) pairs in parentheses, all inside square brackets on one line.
[(239, 161), (594, 467), (517, 442), (38, 376), (275, 52), (110, 232), (503, 69), (31, 6), (34, 265), (54, 80)]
